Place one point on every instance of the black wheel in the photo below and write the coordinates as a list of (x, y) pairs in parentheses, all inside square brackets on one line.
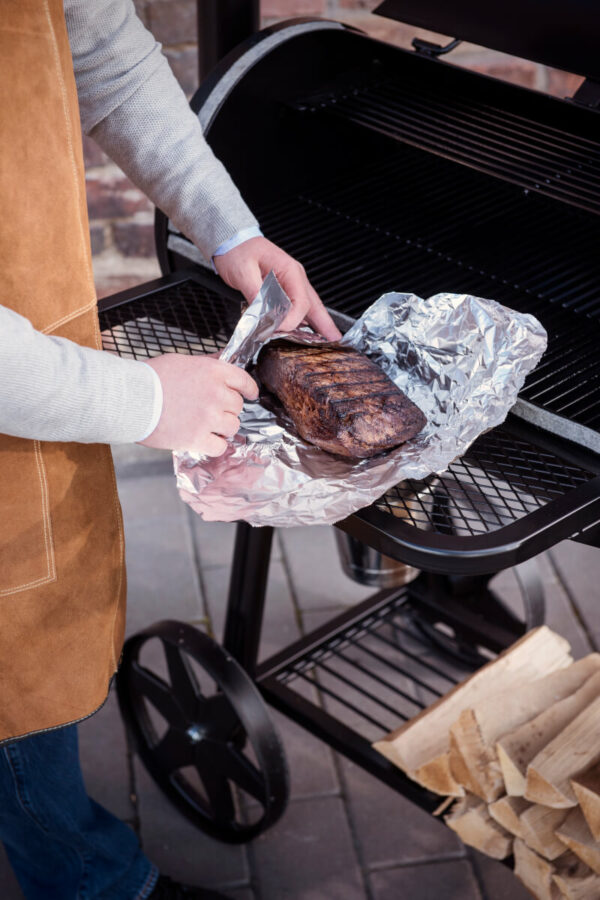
[(201, 728)]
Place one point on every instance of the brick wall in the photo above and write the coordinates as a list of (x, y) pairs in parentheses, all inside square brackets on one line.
[(121, 218)]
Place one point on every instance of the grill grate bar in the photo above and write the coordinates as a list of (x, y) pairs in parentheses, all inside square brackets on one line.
[(399, 669), (413, 656), (531, 153), (344, 702), (484, 237), (325, 667)]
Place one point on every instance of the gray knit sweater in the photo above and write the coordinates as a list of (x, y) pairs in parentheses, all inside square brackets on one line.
[(131, 104)]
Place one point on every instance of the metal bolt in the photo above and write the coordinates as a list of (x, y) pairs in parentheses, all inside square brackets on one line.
[(195, 733)]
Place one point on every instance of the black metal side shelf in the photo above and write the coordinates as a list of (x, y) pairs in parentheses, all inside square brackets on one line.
[(513, 494), (363, 674)]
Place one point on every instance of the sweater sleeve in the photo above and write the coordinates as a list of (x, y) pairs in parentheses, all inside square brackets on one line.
[(132, 105), (55, 390)]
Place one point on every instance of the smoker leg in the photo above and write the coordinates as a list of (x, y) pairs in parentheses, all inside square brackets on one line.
[(247, 590), (473, 614)]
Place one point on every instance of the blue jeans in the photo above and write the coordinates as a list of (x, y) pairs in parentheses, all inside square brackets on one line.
[(61, 844)]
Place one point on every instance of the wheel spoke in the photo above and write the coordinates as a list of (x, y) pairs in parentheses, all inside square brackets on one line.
[(173, 751), (183, 680), (217, 790), (233, 765), (157, 692), (224, 721)]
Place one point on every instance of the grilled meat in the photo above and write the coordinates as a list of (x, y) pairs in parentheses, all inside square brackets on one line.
[(339, 399)]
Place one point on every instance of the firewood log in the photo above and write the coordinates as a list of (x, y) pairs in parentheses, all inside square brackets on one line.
[(474, 760), (471, 821), (538, 824), (574, 750), (575, 834), (578, 887), (517, 748), (506, 811), (587, 791), (535, 873), (420, 746), (539, 876)]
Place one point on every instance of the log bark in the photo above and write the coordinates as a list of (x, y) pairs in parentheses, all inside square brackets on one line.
[(471, 821), (518, 748), (420, 747), (574, 750), (587, 791), (575, 834)]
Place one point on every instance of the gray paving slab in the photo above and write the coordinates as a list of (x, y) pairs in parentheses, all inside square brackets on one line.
[(9, 889), (150, 498), (161, 574), (308, 855), (215, 541), (316, 570), (559, 613), (133, 460), (181, 850), (430, 881), (103, 753), (280, 624), (578, 568), (390, 829), (498, 880)]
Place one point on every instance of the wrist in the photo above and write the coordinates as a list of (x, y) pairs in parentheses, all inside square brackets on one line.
[(157, 403)]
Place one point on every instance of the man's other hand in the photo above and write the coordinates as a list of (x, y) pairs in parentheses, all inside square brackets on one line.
[(245, 267), (202, 399)]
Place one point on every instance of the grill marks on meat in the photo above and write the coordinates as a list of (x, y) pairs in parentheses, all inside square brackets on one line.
[(339, 399)]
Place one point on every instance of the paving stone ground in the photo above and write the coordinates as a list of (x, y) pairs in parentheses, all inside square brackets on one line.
[(345, 836)]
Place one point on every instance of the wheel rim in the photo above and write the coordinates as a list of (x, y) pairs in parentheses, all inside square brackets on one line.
[(200, 746)]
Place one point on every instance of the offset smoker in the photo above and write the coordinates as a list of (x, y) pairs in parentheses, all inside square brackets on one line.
[(385, 169)]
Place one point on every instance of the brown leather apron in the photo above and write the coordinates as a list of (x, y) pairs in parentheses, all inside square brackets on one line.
[(62, 586)]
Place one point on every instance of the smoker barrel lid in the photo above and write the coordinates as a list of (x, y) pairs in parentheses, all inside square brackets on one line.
[(566, 36)]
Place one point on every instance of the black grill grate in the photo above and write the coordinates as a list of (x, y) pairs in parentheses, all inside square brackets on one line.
[(181, 318), (528, 152), (414, 222), (501, 479), (376, 673)]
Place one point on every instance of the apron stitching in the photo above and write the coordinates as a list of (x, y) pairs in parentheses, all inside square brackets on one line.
[(65, 103), (46, 579), (48, 541), (48, 538), (72, 315), (121, 567)]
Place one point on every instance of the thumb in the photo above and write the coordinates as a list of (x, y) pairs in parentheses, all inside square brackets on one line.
[(249, 281)]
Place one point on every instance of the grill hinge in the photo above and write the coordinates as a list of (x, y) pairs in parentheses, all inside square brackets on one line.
[(430, 49), (588, 94)]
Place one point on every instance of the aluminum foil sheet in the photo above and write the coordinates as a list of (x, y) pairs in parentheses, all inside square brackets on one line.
[(461, 359)]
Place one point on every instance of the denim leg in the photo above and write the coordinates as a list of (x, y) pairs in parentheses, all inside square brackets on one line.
[(61, 844)]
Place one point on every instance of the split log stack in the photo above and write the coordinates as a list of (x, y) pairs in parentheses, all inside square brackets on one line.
[(516, 748)]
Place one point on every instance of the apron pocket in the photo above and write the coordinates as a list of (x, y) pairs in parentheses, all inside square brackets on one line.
[(26, 545)]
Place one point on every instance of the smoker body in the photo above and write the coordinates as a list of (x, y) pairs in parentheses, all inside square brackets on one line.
[(382, 169)]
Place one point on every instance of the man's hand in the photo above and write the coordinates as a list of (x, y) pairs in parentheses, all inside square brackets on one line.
[(202, 399), (245, 267)]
